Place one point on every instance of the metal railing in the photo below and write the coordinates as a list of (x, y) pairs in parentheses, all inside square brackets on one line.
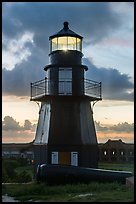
[(43, 88), (39, 88), (92, 88)]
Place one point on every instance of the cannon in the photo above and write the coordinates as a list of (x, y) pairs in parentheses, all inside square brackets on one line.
[(63, 174)]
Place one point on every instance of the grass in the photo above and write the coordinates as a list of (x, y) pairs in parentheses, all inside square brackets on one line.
[(92, 192), (117, 166), (29, 169)]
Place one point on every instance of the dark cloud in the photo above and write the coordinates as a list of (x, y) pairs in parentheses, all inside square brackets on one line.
[(10, 124), (120, 127), (94, 21), (27, 125), (115, 85), (17, 81), (13, 132)]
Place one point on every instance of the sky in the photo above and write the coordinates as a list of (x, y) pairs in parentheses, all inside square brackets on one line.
[(108, 51)]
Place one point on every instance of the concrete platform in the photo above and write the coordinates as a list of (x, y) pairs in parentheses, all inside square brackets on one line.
[(130, 182)]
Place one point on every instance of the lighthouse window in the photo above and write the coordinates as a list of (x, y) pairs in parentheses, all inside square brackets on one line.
[(65, 81), (79, 45), (62, 43), (54, 44), (74, 158), (54, 158), (66, 43), (71, 43), (105, 153)]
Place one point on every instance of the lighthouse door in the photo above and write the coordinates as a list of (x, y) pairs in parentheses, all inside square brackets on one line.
[(65, 81)]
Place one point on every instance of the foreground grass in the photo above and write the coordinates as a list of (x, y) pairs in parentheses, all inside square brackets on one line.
[(29, 169), (93, 192), (117, 166)]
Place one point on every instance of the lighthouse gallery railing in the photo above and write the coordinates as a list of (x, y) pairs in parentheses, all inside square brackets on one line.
[(42, 88)]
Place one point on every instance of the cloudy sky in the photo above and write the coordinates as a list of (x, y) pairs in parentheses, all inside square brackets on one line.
[(108, 47)]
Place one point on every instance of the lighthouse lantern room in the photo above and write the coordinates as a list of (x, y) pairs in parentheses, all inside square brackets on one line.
[(65, 131)]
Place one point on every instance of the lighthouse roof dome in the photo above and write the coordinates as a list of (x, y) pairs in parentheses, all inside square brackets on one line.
[(66, 32)]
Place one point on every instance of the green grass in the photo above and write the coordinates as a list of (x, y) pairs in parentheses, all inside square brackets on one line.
[(117, 166), (29, 169), (94, 192)]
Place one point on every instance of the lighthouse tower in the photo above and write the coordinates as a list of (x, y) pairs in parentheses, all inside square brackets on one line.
[(65, 131)]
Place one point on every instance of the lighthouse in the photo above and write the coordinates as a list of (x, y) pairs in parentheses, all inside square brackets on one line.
[(65, 131)]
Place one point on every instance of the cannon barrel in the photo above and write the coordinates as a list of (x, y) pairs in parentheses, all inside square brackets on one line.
[(62, 174)]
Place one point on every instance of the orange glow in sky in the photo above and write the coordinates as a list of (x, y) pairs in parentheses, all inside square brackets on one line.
[(108, 50)]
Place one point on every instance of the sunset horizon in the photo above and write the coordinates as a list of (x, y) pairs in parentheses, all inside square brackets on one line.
[(108, 48)]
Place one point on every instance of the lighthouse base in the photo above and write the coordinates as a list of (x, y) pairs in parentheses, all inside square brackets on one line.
[(76, 155), (66, 133)]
